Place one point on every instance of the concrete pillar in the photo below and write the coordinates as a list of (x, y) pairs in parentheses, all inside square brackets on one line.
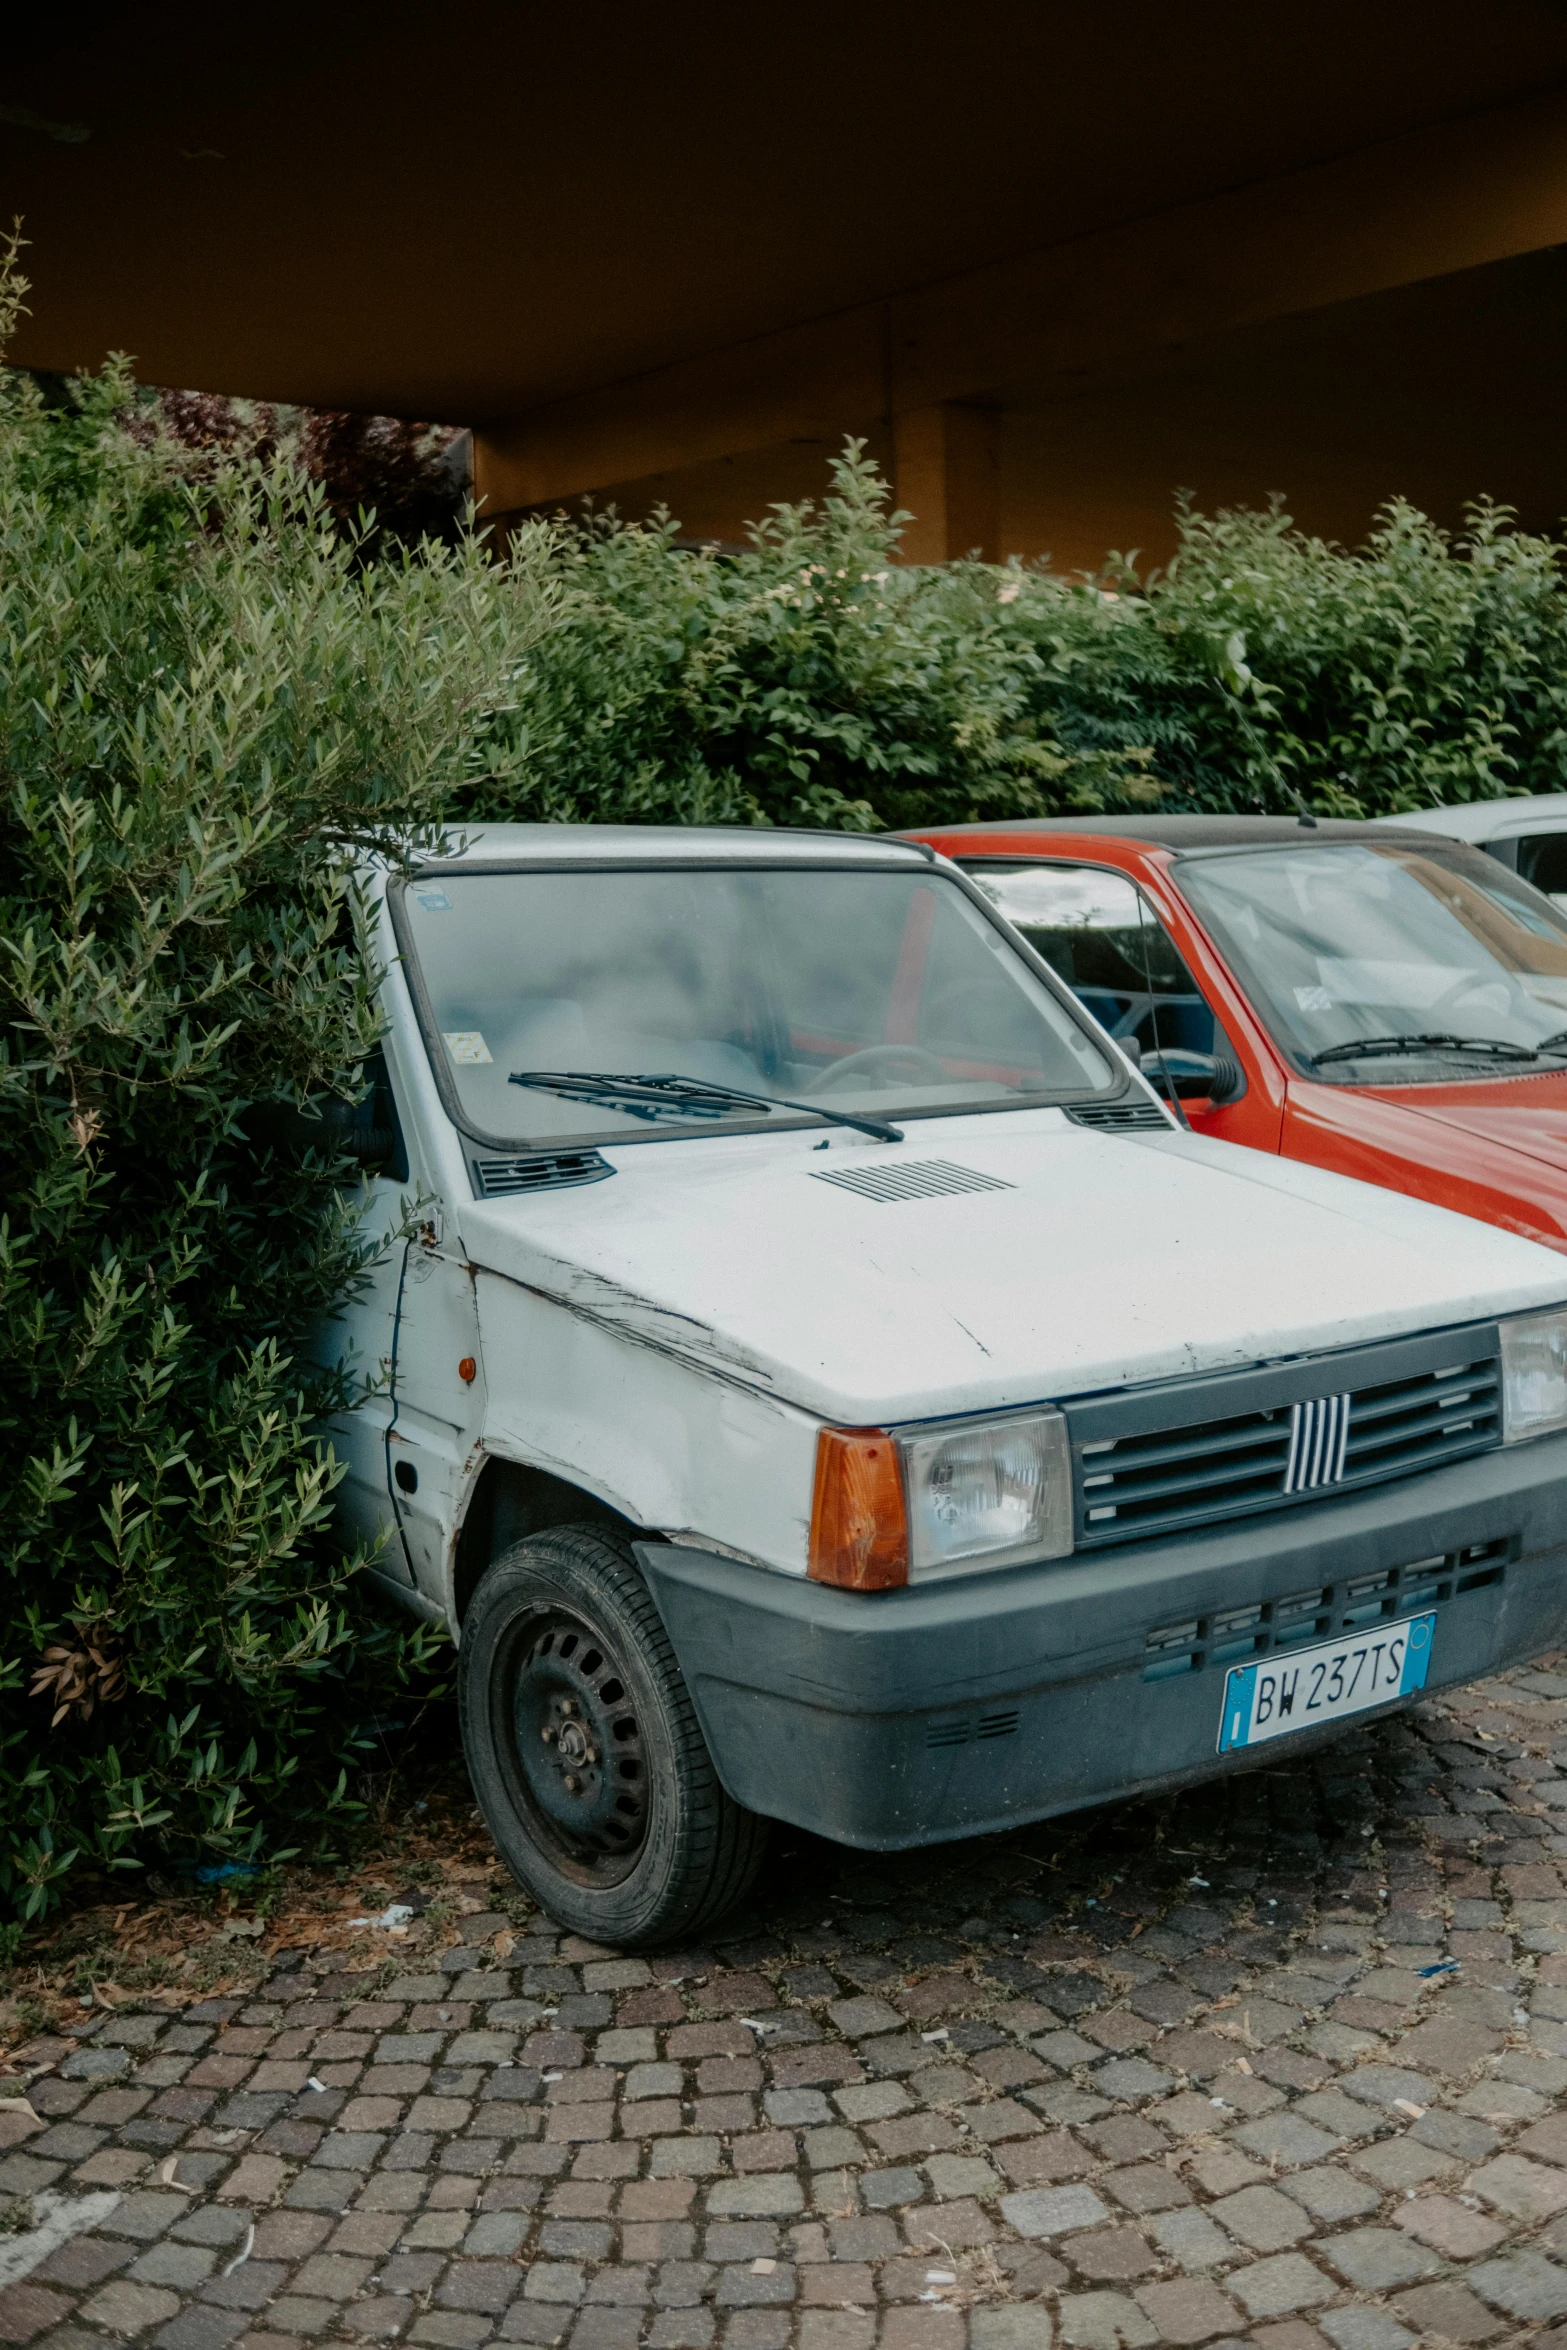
[(945, 471)]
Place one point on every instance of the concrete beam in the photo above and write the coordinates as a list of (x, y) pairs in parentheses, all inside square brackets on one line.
[(1450, 197)]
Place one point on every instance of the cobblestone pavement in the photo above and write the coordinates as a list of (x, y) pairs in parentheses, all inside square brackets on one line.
[(1282, 2060)]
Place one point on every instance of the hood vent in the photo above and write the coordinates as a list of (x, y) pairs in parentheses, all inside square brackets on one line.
[(1120, 1119), (539, 1171), (910, 1179)]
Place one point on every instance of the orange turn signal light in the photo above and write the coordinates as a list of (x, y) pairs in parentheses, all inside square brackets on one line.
[(859, 1520)]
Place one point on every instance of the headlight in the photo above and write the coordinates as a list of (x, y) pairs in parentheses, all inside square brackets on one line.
[(984, 1493), (1534, 1375), (984, 1496)]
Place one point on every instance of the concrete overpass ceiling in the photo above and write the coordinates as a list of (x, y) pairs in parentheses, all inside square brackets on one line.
[(473, 212), (1439, 393)]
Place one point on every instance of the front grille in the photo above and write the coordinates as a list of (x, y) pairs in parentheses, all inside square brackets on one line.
[(1130, 1114), (1237, 1636), (1166, 1480), (538, 1171)]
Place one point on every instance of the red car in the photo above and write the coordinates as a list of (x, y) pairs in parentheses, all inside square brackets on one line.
[(1387, 1003)]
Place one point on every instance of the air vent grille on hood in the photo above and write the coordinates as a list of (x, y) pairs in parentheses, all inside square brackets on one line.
[(1128, 1114), (539, 1171), (910, 1179)]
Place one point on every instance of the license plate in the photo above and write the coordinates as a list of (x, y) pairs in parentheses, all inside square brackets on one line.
[(1314, 1685)]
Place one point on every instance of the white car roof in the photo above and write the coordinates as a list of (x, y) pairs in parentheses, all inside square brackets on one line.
[(1480, 820), (572, 843)]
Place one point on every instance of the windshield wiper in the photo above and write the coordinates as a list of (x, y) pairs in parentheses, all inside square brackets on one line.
[(1495, 1048), (652, 1097)]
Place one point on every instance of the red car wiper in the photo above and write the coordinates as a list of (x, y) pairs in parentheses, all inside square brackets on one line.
[(1495, 1048)]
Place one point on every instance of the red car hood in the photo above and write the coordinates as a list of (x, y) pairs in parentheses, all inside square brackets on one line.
[(1493, 1147), (1527, 1114)]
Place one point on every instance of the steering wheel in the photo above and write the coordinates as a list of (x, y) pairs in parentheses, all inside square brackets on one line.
[(1470, 983), (909, 1062)]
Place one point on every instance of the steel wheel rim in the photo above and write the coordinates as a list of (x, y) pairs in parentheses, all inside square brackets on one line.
[(573, 1742)]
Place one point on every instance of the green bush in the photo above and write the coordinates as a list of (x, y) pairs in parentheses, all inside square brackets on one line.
[(814, 680), (205, 703), (810, 680), (1420, 669)]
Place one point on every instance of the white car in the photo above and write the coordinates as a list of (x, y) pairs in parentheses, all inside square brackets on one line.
[(1528, 836), (820, 1381)]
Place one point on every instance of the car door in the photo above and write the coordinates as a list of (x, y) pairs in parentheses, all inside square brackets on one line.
[(1100, 933), (410, 1335)]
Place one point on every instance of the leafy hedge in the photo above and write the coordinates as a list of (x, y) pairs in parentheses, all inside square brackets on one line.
[(209, 696), (814, 680)]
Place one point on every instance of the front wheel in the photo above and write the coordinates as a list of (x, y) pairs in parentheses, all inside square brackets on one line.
[(584, 1749)]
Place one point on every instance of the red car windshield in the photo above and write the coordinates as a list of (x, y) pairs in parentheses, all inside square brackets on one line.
[(1379, 965)]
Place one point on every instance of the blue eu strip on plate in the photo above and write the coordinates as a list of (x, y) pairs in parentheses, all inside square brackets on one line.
[(1299, 1691)]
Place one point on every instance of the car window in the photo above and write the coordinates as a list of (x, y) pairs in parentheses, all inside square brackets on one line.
[(1099, 933), (1542, 861), (884, 989), (1436, 961)]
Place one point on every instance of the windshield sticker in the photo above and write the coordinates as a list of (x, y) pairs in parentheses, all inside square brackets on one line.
[(1313, 999), (434, 901), (467, 1048)]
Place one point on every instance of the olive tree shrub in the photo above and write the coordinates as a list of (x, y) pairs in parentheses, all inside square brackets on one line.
[(207, 704)]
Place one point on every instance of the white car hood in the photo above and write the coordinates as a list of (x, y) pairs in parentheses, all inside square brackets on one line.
[(1105, 1260)]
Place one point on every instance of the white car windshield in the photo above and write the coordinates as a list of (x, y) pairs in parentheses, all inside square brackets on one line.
[(1381, 965), (722, 990)]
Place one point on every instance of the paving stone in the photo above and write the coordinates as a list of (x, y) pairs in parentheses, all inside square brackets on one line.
[(1105, 2321), (1191, 2311), (840, 2329), (124, 2308), (1109, 2253), (179, 2265), (1263, 2219), (1190, 2239), (1276, 2287), (1449, 2227), (883, 2190), (1526, 2190), (1132, 2077), (1524, 2284), (1454, 2133), (1377, 2259), (554, 2280), (1342, 2117), (1451, 2312), (1398, 2165), (1285, 2138), (684, 2157), (1364, 2329), (1053, 2211), (1146, 2187), (1331, 2194), (1020, 2326), (29, 2309)]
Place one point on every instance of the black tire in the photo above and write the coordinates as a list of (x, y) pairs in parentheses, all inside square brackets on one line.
[(584, 1749)]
